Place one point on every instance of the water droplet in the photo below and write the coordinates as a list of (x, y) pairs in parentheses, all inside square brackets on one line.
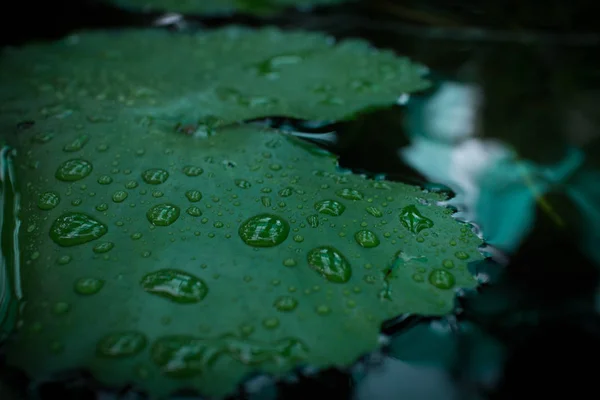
[(413, 220), (104, 247), (42, 138), (119, 196), (448, 263), (330, 207), (194, 211), (193, 195), (264, 230), (121, 344), (102, 207), (184, 356), (286, 192), (246, 330), (191, 170), (285, 303), (350, 194), (298, 238), (270, 68), (48, 200), (177, 286), (461, 255), (77, 143), (374, 212), (64, 260), (313, 220), (72, 228), (323, 310), (242, 183), (330, 263), (155, 176), (289, 262), (163, 214), (441, 279), (131, 185), (88, 286), (271, 323), (366, 238), (73, 170), (105, 180), (61, 308)]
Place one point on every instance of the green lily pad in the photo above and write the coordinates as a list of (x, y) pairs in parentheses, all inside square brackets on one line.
[(222, 304), (259, 7), (207, 80), (206, 259)]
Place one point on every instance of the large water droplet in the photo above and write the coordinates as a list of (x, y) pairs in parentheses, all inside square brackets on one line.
[(155, 176), (48, 200), (441, 279), (73, 228), (163, 214), (177, 286), (73, 170), (121, 344), (264, 230), (330, 263), (366, 238), (413, 220), (330, 207)]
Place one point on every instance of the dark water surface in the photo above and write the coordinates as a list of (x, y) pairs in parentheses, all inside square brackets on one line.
[(512, 128)]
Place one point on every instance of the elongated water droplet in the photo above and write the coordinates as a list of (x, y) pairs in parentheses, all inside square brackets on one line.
[(77, 144), (191, 170), (242, 183), (121, 344), (413, 220), (163, 214), (103, 247), (155, 176), (350, 194), (285, 303), (374, 211), (330, 263), (184, 356), (177, 286), (330, 207), (88, 286), (73, 228), (105, 180), (194, 211), (73, 170), (264, 230)]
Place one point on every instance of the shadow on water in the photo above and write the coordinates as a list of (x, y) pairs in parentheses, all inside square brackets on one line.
[(511, 127)]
